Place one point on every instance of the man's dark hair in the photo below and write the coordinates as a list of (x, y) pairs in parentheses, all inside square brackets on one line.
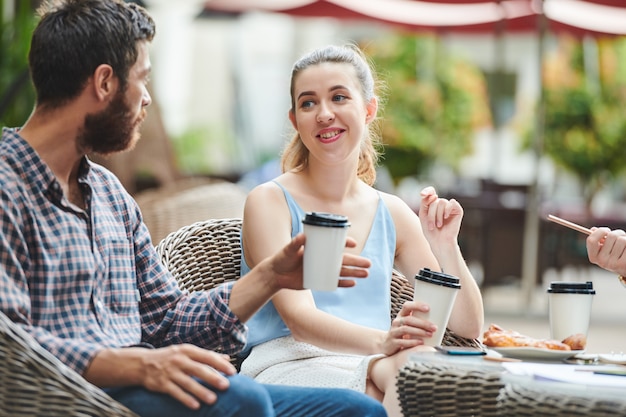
[(74, 37)]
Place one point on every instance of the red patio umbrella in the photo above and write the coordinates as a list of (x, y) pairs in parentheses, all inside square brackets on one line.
[(576, 16)]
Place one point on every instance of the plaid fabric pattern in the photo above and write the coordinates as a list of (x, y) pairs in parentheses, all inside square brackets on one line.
[(82, 280)]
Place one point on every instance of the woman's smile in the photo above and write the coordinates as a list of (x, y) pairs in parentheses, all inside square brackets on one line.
[(330, 135)]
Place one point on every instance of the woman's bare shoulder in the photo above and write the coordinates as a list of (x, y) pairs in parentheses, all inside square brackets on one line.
[(394, 202), (266, 190)]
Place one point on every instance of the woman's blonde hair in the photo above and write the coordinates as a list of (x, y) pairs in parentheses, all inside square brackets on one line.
[(295, 155)]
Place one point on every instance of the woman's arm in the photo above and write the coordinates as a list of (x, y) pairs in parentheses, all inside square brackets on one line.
[(431, 240)]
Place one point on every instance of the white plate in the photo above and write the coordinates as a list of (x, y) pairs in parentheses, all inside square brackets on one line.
[(616, 358), (535, 353)]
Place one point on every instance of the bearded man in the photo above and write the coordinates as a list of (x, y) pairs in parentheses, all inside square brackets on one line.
[(78, 270)]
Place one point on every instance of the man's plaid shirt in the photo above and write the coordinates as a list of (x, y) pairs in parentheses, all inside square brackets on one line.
[(80, 281)]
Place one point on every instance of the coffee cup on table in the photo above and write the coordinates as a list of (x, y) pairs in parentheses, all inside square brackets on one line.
[(569, 308), (323, 250), (439, 291)]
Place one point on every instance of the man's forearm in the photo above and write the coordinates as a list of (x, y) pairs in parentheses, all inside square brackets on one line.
[(252, 291), (116, 367)]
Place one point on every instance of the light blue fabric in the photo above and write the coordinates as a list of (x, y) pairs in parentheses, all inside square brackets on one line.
[(368, 303)]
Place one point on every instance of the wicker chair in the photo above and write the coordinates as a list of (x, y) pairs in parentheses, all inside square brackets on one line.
[(207, 253), (169, 208), (35, 383)]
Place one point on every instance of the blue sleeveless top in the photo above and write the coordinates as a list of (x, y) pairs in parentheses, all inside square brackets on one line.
[(368, 303)]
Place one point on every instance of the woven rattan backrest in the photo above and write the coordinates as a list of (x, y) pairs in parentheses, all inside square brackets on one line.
[(167, 210), (204, 254), (35, 383), (401, 292)]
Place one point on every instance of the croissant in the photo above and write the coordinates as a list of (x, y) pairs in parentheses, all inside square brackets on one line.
[(576, 341), (496, 336)]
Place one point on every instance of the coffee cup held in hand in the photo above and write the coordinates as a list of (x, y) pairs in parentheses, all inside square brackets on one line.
[(323, 250), (439, 291), (569, 308)]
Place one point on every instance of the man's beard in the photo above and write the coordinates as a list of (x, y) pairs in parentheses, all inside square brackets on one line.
[(112, 130)]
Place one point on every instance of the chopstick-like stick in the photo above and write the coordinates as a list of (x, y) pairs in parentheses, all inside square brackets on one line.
[(569, 224), (500, 359)]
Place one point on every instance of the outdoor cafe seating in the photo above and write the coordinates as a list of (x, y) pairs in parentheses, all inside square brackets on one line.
[(207, 253)]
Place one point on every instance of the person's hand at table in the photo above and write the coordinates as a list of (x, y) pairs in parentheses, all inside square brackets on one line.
[(407, 330), (607, 249)]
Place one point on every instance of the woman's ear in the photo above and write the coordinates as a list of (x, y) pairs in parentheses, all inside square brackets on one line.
[(372, 109), (292, 119), (105, 83)]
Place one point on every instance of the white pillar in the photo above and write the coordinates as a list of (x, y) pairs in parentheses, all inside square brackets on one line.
[(172, 58)]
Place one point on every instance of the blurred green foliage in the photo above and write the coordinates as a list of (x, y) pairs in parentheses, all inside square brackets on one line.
[(585, 120), (17, 96), (204, 150), (435, 103)]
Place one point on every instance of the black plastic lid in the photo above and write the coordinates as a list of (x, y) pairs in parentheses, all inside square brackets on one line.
[(438, 278), (560, 287), (326, 219)]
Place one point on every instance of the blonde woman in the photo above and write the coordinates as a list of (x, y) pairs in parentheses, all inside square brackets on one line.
[(340, 338)]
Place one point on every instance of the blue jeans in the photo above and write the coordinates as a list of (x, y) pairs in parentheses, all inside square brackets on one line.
[(247, 398)]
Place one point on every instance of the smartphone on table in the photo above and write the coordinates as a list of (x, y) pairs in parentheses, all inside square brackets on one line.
[(460, 350)]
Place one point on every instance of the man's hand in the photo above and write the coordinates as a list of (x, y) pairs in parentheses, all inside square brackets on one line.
[(286, 265), (173, 370), (284, 270)]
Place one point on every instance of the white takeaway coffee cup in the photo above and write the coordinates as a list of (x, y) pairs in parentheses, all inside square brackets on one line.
[(569, 308), (323, 250), (439, 291)]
